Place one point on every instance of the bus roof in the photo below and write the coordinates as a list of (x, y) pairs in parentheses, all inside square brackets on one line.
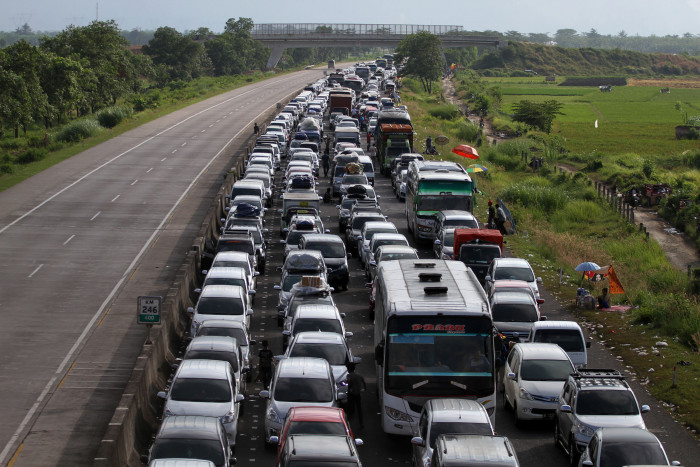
[(431, 287)]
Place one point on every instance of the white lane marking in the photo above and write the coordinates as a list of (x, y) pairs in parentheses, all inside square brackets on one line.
[(115, 198), (203, 130), (211, 125), (69, 239), (30, 414), (95, 216), (163, 159), (134, 182), (149, 170), (183, 144), (36, 270), (174, 151)]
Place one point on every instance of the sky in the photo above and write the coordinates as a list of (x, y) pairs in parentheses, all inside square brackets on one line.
[(642, 17)]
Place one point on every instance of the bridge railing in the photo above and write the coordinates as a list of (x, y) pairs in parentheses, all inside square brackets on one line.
[(267, 29)]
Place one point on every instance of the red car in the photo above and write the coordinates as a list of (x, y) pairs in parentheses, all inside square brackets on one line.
[(314, 421)]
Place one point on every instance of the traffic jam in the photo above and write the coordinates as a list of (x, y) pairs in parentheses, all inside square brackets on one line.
[(353, 293)]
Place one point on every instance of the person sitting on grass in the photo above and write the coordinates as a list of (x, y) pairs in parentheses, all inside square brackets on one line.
[(604, 299)]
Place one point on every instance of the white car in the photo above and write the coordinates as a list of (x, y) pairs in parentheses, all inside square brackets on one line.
[(534, 378), (220, 302)]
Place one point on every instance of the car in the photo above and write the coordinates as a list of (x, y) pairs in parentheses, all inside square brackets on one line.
[(380, 239), (355, 223), (566, 334), (297, 265), (624, 446), (390, 253), (238, 242), (330, 346), (247, 187), (454, 218), (349, 180), (453, 450), (447, 416), (347, 203), (191, 436), (313, 317), (252, 200), (534, 377), (332, 248), (314, 421), (267, 181), (232, 329), (400, 185), (258, 241), (299, 381), (514, 313), (443, 246), (229, 276), (369, 229), (207, 388), (512, 268), (236, 259), (319, 294), (322, 450), (220, 348), (220, 302), (592, 399), (299, 229)]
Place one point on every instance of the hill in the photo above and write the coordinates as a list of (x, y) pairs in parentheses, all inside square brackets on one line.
[(552, 60)]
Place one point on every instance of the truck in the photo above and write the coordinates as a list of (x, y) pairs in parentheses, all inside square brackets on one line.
[(340, 101), (297, 203), (477, 248), (394, 135), (331, 64)]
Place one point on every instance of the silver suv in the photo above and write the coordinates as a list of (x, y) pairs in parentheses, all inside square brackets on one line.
[(593, 399)]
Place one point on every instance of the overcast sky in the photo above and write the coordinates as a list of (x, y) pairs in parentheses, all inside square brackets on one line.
[(643, 17)]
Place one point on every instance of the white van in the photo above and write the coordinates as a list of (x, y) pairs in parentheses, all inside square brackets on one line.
[(567, 335), (367, 168)]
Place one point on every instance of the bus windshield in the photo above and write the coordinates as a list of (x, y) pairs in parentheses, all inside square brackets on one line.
[(443, 202), (421, 359)]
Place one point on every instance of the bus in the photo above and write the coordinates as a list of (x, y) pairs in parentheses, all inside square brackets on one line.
[(433, 186), (433, 337)]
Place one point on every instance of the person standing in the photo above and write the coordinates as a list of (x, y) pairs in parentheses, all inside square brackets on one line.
[(265, 364), (369, 139), (428, 145), (326, 163), (492, 216), (256, 128), (356, 386), (501, 219)]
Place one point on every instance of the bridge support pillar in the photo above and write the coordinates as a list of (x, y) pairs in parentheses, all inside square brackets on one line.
[(275, 56)]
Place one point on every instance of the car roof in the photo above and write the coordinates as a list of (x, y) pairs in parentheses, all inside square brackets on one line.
[(512, 262), (190, 426), (223, 323), (316, 414), (512, 283), (396, 249), (317, 310), (180, 463), (556, 325), (202, 368), (627, 434), (513, 297), (232, 256), (541, 350), (388, 236), (218, 271), (319, 337), (454, 409), (321, 447), (378, 225), (493, 450), (450, 213), (214, 343), (322, 237), (233, 291), (307, 367)]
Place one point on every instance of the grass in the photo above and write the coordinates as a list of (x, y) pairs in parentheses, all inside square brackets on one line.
[(561, 223)]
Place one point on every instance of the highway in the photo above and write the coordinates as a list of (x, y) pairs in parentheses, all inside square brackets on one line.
[(80, 241), (83, 239)]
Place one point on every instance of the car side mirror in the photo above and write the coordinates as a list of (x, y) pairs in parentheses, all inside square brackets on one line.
[(539, 280), (587, 463), (144, 459), (513, 376), (356, 360), (645, 408), (197, 290), (162, 394), (251, 292), (566, 408), (274, 440), (359, 442), (588, 344), (348, 334), (417, 441), (190, 311), (239, 398), (342, 396), (287, 333), (540, 301), (437, 242), (249, 312), (265, 394)]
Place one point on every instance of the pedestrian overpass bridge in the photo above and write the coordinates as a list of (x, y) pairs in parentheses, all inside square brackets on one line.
[(279, 36)]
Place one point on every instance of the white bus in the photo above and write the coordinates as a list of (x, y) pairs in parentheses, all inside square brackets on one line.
[(433, 337)]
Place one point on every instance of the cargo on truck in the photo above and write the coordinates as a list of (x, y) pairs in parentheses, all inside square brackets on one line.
[(477, 249)]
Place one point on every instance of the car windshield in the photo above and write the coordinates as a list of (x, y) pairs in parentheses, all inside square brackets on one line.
[(232, 264), (189, 448), (473, 428), (518, 274), (300, 427), (223, 281), (328, 249), (395, 256), (200, 390), (472, 254), (439, 202), (334, 354), (619, 453), (359, 221), (236, 333), (303, 390), (601, 402), (370, 234), (463, 223), (546, 370), (514, 312), (219, 306), (294, 236), (355, 180), (213, 355), (570, 340), (388, 241), (317, 324), (236, 245), (448, 240), (289, 280)]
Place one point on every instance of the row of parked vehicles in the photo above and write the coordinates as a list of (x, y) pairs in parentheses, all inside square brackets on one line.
[(443, 327)]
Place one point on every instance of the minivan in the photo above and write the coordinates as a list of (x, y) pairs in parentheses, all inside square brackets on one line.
[(567, 335), (367, 168)]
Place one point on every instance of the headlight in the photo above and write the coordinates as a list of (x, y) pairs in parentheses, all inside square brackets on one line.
[(525, 395), (196, 324), (397, 415), (584, 429), (272, 415), (424, 228), (167, 412), (446, 256), (228, 418)]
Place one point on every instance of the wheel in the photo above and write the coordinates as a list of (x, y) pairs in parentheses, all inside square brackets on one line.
[(516, 419), (573, 453), (556, 434), (506, 404)]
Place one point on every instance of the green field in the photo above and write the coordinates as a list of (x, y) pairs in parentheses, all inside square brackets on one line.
[(631, 119)]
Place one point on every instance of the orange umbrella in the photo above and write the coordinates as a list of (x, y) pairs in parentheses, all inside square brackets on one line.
[(466, 151)]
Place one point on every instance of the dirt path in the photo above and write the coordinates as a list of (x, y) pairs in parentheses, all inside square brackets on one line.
[(680, 250)]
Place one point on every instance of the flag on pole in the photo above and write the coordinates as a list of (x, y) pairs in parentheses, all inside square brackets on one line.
[(615, 285)]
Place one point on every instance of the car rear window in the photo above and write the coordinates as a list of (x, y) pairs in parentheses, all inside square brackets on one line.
[(316, 428), (219, 306), (200, 390), (303, 390)]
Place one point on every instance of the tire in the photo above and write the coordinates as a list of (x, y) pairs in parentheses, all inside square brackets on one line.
[(516, 420), (506, 404), (573, 453), (556, 434)]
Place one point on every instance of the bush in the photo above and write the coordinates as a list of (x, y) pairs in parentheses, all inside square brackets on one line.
[(445, 112), (31, 155), (6, 168), (466, 130), (537, 193), (78, 130), (112, 116)]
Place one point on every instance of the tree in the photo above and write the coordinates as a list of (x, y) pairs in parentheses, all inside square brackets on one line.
[(181, 55), (423, 52), (235, 51), (539, 115)]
